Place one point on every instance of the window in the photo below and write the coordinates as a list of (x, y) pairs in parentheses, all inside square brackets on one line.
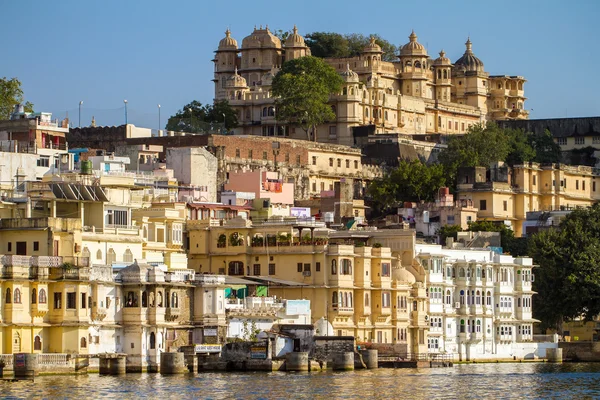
[(366, 299), (271, 269), (561, 141), (333, 132), (43, 161), (83, 299), (346, 267), (71, 300), (57, 300), (264, 155), (9, 246), (33, 296), (385, 269), (347, 163), (298, 159), (250, 154), (237, 153), (577, 184), (17, 296), (355, 164), (314, 186), (505, 205), (37, 343), (314, 160), (579, 140), (333, 267), (128, 256), (334, 299), (339, 162), (385, 300), (594, 186), (482, 204), (299, 267), (236, 268), (318, 267), (36, 246), (287, 157), (331, 162), (256, 269)]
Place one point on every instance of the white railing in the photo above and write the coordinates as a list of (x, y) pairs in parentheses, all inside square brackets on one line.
[(7, 360), (53, 359)]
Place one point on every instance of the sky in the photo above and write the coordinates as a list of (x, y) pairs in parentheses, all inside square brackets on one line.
[(151, 52)]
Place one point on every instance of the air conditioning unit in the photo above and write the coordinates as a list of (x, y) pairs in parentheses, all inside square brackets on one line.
[(306, 273), (457, 305)]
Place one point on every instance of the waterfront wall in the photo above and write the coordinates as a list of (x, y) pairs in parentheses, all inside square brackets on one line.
[(580, 351), (325, 346)]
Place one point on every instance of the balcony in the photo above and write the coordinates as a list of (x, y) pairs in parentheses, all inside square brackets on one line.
[(70, 273), (39, 309), (343, 310), (172, 313), (99, 313)]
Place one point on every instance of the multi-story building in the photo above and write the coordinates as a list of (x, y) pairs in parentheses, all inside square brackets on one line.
[(506, 194), (414, 95), (479, 303), (356, 282)]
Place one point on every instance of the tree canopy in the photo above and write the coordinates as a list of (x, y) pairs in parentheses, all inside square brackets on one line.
[(195, 117), (410, 181), (568, 279), (487, 143), (302, 88), (11, 94), (331, 44)]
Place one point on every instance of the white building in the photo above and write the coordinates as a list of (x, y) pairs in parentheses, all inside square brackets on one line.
[(479, 303)]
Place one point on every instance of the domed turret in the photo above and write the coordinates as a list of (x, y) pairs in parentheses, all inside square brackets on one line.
[(442, 59), (413, 47), (228, 43), (295, 40), (236, 80), (372, 47), (349, 75), (468, 61), (404, 276), (261, 38)]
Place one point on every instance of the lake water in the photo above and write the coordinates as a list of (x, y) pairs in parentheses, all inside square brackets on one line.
[(498, 381)]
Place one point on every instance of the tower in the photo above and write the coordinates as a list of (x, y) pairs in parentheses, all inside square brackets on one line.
[(442, 71), (225, 63), (295, 46), (415, 71), (470, 80)]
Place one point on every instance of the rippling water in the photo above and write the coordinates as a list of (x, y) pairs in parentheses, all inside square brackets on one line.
[(498, 381)]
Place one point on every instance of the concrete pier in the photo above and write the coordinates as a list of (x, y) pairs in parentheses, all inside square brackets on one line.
[(343, 361), (296, 361), (25, 365), (554, 355), (112, 364), (370, 358), (172, 363)]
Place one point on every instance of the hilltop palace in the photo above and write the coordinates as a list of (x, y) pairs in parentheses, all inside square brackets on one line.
[(414, 95)]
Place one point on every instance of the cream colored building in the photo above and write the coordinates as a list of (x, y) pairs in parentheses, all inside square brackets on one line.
[(414, 95), (370, 292), (507, 194)]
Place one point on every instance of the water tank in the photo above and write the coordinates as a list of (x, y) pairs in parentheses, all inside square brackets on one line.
[(425, 217), (86, 167)]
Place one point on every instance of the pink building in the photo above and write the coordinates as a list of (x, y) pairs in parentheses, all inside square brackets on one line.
[(264, 184)]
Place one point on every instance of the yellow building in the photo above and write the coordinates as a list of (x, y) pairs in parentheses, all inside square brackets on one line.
[(373, 292), (414, 95), (507, 194)]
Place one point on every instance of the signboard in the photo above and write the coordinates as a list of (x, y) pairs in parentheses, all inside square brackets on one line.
[(210, 331), (207, 348), (258, 352), (19, 360), (297, 307), (300, 212)]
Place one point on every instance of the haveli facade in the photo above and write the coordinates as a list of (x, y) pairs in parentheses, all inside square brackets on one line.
[(414, 95)]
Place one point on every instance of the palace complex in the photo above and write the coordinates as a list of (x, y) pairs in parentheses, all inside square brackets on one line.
[(414, 95)]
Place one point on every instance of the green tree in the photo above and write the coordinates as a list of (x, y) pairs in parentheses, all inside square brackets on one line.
[(281, 34), (568, 279), (195, 117), (520, 150), (357, 42), (447, 231), (302, 88), (11, 94), (410, 181), (327, 44), (546, 149)]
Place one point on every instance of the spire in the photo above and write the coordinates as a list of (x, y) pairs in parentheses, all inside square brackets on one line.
[(413, 36), (227, 32), (235, 70), (295, 30), (469, 45), (347, 66), (442, 53)]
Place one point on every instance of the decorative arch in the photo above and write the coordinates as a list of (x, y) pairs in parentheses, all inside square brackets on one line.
[(37, 343), (42, 296), (8, 298), (334, 299), (152, 340), (33, 296)]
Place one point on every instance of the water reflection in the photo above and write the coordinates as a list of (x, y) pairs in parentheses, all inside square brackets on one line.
[(463, 381)]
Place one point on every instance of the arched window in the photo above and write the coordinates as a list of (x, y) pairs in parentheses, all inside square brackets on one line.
[(478, 326), (367, 112), (346, 267), (159, 299), (85, 252), (385, 115), (167, 298), (42, 296), (333, 267), (478, 272), (128, 256), (8, 299), (99, 255), (111, 257), (264, 111), (468, 272), (352, 91), (271, 111), (448, 272), (445, 74), (37, 343), (144, 299), (152, 340), (174, 301), (83, 343), (439, 74), (489, 298), (349, 299), (477, 298), (33, 296), (461, 273), (417, 64), (17, 296), (344, 91), (462, 297), (367, 299), (408, 63), (462, 326), (448, 297), (334, 299)]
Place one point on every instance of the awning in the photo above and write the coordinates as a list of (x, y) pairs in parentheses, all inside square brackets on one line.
[(234, 280), (269, 281)]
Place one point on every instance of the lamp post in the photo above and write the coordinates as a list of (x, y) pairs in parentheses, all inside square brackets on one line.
[(224, 128), (159, 120), (190, 110), (125, 101), (80, 104)]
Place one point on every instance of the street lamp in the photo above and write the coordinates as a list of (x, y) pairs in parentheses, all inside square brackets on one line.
[(190, 110), (224, 128), (159, 120), (80, 104), (125, 101)]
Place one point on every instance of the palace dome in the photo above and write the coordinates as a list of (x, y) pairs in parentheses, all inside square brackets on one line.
[(261, 38), (403, 275), (349, 75), (236, 80), (228, 43), (295, 40), (372, 47), (442, 59), (413, 47), (468, 61)]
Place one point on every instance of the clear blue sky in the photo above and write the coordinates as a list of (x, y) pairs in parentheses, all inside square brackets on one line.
[(158, 52)]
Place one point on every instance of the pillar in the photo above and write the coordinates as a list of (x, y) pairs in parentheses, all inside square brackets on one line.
[(343, 361), (296, 361), (172, 363), (554, 355), (113, 365), (370, 358)]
